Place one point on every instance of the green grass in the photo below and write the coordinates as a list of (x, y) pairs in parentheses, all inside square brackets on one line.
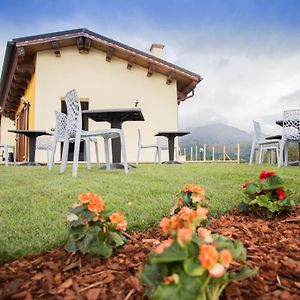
[(34, 201)]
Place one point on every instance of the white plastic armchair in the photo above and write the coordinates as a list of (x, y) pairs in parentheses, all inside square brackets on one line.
[(74, 131), (261, 144), (142, 146), (290, 132), (59, 136)]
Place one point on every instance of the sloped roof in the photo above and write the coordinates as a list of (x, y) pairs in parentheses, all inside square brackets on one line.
[(18, 63)]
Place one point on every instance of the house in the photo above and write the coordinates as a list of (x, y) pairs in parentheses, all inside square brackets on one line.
[(39, 70)]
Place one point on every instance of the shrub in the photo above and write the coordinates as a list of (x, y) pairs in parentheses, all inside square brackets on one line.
[(266, 195), (192, 263), (93, 229)]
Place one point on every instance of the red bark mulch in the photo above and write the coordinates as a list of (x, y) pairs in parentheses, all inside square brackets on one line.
[(272, 245)]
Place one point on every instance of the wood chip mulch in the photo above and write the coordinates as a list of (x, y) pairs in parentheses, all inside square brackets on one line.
[(272, 245)]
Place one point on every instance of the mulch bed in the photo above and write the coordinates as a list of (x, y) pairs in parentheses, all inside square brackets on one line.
[(272, 245)]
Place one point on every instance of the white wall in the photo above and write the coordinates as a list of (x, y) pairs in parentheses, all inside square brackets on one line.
[(106, 85)]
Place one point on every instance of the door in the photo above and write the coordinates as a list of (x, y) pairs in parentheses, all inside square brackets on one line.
[(22, 124), (85, 126)]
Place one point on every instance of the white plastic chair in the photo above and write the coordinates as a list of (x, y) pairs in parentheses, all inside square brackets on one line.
[(261, 144), (141, 146), (59, 136), (74, 130), (5, 154), (44, 142), (290, 132)]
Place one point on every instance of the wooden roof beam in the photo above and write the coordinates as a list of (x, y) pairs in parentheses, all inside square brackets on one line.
[(170, 78), (21, 54), (151, 69), (55, 46), (83, 44), (19, 85), (16, 92), (26, 68), (131, 61), (21, 79), (189, 87), (109, 53)]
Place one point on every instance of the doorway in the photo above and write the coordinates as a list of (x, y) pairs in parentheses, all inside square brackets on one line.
[(85, 126), (21, 140)]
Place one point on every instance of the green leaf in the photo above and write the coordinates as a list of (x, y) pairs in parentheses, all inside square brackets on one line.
[(188, 288), (171, 254), (77, 233), (239, 251), (254, 187), (71, 246), (100, 247), (244, 207), (244, 273), (192, 267), (116, 239), (187, 199), (153, 274)]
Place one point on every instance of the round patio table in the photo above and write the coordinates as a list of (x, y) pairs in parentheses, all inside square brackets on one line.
[(171, 137), (32, 135)]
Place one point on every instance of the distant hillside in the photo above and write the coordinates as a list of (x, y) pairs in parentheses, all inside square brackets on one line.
[(218, 134), (215, 134)]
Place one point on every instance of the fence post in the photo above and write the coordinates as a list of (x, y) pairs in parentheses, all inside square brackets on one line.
[(224, 151), (238, 153), (196, 152), (184, 153), (204, 152), (191, 153), (213, 153)]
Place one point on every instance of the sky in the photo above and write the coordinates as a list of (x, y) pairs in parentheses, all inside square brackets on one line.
[(247, 51)]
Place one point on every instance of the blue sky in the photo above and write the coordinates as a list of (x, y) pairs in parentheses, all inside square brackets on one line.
[(246, 50)]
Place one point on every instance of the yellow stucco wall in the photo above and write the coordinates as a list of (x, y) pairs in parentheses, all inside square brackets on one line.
[(30, 96), (106, 85)]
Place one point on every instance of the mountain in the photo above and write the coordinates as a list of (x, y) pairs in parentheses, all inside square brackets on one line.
[(215, 134), (218, 134)]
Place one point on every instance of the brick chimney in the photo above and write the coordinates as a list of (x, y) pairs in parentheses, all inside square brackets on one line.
[(157, 50)]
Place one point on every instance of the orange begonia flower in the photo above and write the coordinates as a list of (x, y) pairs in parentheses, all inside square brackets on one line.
[(204, 234), (225, 257), (84, 197), (96, 203), (162, 246), (208, 256), (184, 235), (119, 220), (167, 225)]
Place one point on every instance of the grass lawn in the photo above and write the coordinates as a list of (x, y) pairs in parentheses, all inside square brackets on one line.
[(34, 201)]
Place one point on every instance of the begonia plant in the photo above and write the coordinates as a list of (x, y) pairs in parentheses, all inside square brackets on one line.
[(191, 196), (192, 263), (266, 195), (93, 229)]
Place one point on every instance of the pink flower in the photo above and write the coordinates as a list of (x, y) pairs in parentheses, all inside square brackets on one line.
[(265, 174), (217, 270), (280, 194)]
